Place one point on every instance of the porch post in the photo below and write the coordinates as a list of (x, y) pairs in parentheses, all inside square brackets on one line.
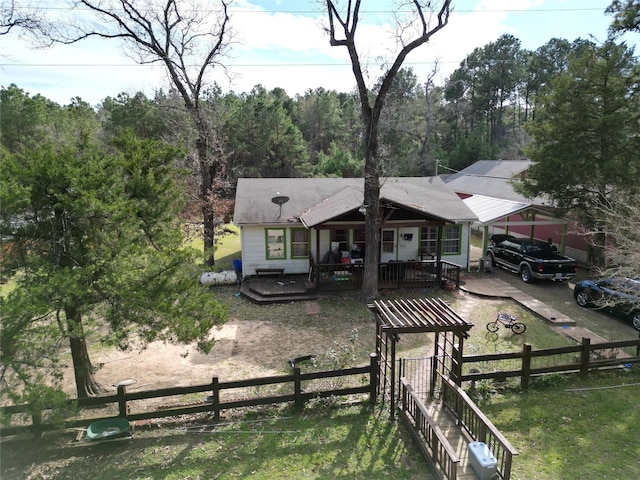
[(439, 254), (434, 365), (485, 241), (563, 239), (394, 339), (532, 226), (317, 272)]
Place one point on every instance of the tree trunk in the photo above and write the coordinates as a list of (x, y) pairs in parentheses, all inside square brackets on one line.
[(86, 383), (372, 235), (207, 174), (372, 220)]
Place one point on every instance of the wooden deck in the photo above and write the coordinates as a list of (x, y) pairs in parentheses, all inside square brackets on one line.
[(341, 278), (277, 289)]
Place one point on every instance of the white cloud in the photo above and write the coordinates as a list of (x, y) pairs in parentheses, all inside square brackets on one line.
[(290, 50)]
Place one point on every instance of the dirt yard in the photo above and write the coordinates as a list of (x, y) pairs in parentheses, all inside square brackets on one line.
[(258, 341), (243, 349)]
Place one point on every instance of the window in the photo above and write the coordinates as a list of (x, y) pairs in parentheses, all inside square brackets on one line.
[(340, 236), (428, 241), (276, 246), (388, 241), (359, 239), (452, 234), (299, 243)]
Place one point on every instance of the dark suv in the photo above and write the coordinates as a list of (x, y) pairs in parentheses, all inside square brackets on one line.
[(620, 296)]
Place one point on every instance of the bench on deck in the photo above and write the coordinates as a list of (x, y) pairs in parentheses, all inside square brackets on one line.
[(270, 271)]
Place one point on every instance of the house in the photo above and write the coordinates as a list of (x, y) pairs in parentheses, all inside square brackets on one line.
[(487, 188), (301, 225)]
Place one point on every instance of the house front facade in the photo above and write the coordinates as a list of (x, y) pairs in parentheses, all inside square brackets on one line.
[(290, 225)]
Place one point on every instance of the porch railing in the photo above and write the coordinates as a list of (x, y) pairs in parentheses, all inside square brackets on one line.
[(394, 274), (478, 426)]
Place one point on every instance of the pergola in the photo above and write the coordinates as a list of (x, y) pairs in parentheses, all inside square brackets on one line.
[(423, 315)]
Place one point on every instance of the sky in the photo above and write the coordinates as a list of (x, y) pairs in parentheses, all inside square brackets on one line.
[(281, 43)]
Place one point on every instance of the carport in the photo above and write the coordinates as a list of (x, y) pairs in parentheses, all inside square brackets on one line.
[(496, 212), (424, 315)]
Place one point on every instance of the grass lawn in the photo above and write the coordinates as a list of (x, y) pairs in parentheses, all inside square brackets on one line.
[(356, 442), (569, 428), (560, 432)]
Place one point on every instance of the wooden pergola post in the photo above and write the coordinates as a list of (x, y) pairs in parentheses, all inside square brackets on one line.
[(402, 316)]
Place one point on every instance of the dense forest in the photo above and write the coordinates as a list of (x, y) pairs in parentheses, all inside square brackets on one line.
[(481, 112)]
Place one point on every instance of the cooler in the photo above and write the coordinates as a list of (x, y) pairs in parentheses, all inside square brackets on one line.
[(482, 460)]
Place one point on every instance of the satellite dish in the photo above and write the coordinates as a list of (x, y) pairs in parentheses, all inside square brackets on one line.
[(280, 200)]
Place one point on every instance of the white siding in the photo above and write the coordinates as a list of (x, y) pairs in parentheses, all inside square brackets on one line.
[(252, 240), (254, 253)]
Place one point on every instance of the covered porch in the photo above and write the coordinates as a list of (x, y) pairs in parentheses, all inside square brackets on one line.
[(394, 274), (347, 278)]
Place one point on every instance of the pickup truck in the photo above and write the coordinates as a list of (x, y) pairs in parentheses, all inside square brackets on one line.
[(532, 259)]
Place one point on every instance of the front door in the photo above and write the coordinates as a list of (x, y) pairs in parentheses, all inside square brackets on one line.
[(388, 246)]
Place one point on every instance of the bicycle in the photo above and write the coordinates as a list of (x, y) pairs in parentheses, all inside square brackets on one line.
[(509, 321)]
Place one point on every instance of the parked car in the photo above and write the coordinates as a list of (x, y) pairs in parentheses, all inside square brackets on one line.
[(620, 296), (531, 259)]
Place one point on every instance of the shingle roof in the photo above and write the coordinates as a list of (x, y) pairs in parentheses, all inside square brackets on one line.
[(492, 178), (316, 200)]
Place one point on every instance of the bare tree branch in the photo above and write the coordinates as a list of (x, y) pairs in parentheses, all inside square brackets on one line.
[(342, 33), (27, 18), (188, 37)]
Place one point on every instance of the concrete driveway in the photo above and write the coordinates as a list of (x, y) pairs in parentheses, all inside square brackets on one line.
[(559, 297)]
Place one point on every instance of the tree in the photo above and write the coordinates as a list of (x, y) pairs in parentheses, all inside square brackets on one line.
[(137, 113), (398, 118), (626, 16), (490, 78), (23, 16), (619, 221), (27, 120), (96, 237), (338, 163), (548, 60), (264, 140), (342, 32), (188, 40), (323, 121), (585, 137)]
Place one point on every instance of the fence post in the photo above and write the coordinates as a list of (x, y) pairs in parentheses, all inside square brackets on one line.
[(215, 397), (122, 401), (584, 357), (36, 422), (526, 366), (373, 378), (297, 389)]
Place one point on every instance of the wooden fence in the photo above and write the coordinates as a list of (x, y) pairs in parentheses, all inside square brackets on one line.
[(529, 363), (296, 388)]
